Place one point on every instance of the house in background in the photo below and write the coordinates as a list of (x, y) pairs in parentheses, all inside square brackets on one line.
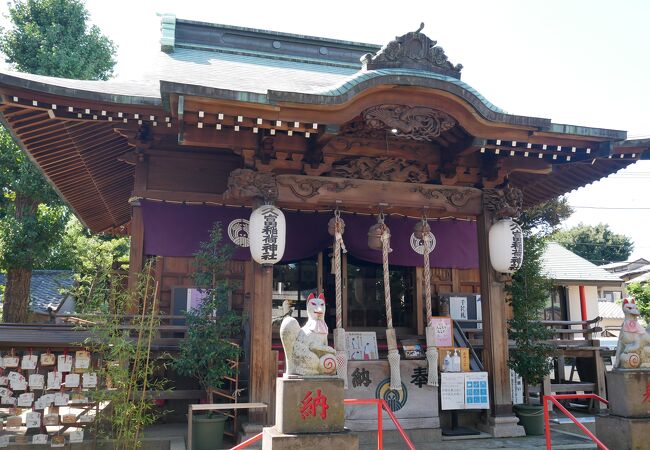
[(612, 317), (579, 284), (49, 292), (628, 270)]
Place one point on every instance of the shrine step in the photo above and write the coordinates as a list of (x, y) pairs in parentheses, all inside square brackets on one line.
[(392, 438), (247, 431)]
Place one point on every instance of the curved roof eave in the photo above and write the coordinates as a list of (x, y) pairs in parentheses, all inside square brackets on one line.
[(85, 94)]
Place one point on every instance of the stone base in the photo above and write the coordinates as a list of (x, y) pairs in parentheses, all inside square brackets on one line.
[(309, 405), (406, 424), (272, 439), (502, 426), (415, 407), (622, 433), (626, 391)]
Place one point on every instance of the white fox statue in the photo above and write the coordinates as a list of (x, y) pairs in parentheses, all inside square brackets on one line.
[(633, 350), (305, 349)]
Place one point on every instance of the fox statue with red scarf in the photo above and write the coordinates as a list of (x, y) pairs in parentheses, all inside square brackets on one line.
[(633, 350), (306, 350)]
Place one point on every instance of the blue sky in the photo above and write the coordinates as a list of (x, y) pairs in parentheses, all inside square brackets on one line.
[(576, 62)]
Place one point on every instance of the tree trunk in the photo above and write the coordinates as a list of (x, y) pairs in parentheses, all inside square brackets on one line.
[(16, 296)]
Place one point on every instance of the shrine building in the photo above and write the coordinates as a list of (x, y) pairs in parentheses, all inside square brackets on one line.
[(231, 117)]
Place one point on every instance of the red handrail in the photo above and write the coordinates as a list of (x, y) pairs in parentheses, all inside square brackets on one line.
[(554, 399), (381, 404), (247, 442)]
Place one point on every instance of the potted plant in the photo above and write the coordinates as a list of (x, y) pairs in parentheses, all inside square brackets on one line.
[(528, 294), (207, 349)]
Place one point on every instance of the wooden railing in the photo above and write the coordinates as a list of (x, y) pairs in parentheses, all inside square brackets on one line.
[(563, 332)]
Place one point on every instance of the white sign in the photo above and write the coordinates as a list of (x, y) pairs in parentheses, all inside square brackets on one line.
[(61, 399), (29, 362), (361, 345), (458, 308), (77, 436), (452, 390), (89, 380), (4, 441), (39, 439), (64, 363), (54, 380), (25, 400), (465, 390), (82, 359), (72, 380), (36, 381), (33, 420), (516, 388)]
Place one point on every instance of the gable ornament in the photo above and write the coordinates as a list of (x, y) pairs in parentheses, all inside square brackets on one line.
[(413, 50)]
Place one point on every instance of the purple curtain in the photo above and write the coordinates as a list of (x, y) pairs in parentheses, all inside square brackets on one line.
[(172, 229)]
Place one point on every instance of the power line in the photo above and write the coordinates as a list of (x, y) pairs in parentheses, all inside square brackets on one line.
[(629, 208)]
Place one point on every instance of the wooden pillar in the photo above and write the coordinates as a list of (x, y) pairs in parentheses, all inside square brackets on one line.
[(259, 281), (495, 327), (136, 254)]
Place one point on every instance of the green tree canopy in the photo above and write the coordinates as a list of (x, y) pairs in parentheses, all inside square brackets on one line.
[(529, 291), (598, 244), (641, 292), (52, 37), (47, 37)]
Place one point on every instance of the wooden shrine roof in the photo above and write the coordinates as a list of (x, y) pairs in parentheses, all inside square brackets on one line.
[(224, 87)]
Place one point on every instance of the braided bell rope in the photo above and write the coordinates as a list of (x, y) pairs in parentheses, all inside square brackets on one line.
[(393, 353), (431, 352), (339, 333)]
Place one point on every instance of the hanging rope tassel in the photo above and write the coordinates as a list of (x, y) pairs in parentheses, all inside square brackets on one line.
[(432, 351), (393, 353), (340, 344)]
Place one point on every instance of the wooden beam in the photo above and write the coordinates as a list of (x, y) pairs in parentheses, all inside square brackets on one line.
[(300, 191), (136, 254)]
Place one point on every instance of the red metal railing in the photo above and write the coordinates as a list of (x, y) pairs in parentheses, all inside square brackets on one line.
[(381, 404), (554, 399), (247, 442)]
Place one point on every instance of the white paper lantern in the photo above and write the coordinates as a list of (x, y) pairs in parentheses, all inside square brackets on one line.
[(506, 246), (267, 234)]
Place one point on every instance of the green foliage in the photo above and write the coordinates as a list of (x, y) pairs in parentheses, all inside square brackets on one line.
[(641, 292), (25, 241), (93, 258), (47, 37), (528, 294), (51, 37), (129, 369), (597, 244), (544, 218), (207, 349)]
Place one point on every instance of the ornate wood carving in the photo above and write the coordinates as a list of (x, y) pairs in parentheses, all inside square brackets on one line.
[(266, 149), (384, 169), (314, 192), (418, 123), (505, 202), (413, 50), (457, 198), (244, 183), (308, 187)]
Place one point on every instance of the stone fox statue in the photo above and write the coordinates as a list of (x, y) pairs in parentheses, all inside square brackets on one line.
[(306, 349), (633, 350)]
